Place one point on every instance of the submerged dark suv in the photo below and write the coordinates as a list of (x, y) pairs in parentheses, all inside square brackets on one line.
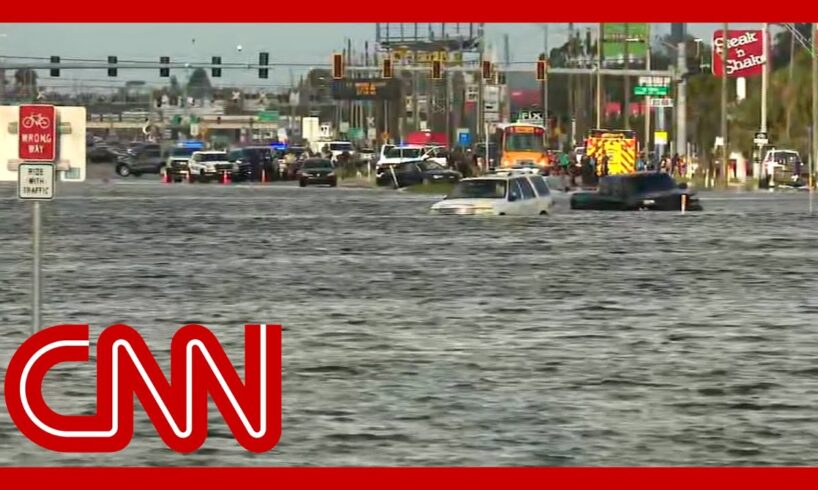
[(643, 190)]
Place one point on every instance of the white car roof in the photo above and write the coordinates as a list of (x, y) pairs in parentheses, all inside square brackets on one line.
[(500, 177), (210, 152)]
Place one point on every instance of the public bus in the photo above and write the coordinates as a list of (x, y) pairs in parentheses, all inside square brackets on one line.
[(522, 144)]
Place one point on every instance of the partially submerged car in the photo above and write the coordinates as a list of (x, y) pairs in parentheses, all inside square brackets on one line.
[(654, 191), (498, 195)]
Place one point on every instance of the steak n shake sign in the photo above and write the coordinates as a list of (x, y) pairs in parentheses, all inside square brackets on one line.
[(745, 55)]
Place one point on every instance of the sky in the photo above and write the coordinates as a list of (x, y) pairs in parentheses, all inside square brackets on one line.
[(286, 43)]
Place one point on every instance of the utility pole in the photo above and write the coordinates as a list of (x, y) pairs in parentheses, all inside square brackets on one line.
[(724, 153), (626, 110), (571, 88), (545, 82), (681, 100), (765, 76), (599, 77), (647, 110), (814, 109)]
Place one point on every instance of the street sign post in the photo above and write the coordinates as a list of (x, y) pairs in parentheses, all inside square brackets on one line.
[(761, 138), (35, 182), (661, 102), (651, 91)]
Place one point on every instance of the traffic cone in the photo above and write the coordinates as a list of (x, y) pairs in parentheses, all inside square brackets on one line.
[(189, 177), (226, 177), (165, 177), (263, 176)]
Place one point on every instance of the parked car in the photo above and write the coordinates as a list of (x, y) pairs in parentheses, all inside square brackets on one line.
[(415, 172), (251, 160), (498, 195), (210, 165), (317, 171), (391, 154), (630, 192)]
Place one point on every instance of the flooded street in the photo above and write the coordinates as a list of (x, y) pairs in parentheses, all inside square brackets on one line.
[(582, 338)]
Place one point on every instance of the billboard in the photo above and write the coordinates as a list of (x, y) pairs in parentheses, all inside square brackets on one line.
[(745, 53), (621, 37)]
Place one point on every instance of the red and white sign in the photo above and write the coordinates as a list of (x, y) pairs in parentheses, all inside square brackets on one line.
[(745, 53), (37, 129)]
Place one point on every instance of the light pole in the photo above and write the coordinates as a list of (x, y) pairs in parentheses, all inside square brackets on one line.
[(724, 153)]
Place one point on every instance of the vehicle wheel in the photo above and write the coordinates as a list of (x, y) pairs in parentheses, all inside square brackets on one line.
[(301, 183), (123, 170), (502, 214), (543, 213)]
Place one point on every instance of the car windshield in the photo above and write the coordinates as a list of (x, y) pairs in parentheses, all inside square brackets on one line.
[(404, 153), (654, 182), (479, 189), (181, 152), (213, 157), (340, 146), (318, 164)]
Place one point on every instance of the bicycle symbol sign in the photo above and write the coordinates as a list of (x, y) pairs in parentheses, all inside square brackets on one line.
[(37, 133)]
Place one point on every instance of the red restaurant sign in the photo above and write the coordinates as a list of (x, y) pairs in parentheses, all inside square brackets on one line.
[(745, 54), (37, 130)]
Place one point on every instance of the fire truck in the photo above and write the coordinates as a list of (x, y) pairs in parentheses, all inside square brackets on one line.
[(619, 145)]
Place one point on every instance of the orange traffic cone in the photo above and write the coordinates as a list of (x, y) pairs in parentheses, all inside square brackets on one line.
[(165, 177), (226, 178), (190, 177), (263, 176)]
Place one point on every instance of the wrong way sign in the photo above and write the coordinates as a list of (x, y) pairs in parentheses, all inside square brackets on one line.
[(37, 131)]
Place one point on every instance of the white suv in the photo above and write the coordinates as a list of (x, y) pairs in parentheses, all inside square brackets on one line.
[(207, 165), (513, 195)]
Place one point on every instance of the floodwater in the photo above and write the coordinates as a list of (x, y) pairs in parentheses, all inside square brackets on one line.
[(575, 339)]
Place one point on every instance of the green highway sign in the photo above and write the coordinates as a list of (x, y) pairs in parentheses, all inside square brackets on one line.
[(268, 116), (649, 91)]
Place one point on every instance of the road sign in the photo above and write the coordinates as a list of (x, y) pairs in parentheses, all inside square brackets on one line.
[(35, 181), (660, 138), (529, 117), (661, 102), (463, 137), (268, 116), (654, 81), (651, 91), (760, 138), (37, 133)]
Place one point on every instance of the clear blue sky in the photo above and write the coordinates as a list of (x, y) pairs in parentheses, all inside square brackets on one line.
[(299, 43)]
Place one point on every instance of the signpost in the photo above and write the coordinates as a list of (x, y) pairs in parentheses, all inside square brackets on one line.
[(760, 138), (661, 102), (37, 133), (36, 183)]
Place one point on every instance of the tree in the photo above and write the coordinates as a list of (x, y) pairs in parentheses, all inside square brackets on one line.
[(25, 82), (198, 86)]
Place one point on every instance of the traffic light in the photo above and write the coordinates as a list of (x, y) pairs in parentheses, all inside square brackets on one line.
[(264, 60), (164, 71), (487, 70), (112, 61), (542, 70), (437, 70), (337, 66), (387, 68), (216, 72), (55, 72)]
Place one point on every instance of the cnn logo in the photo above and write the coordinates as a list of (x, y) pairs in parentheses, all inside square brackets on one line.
[(125, 367)]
